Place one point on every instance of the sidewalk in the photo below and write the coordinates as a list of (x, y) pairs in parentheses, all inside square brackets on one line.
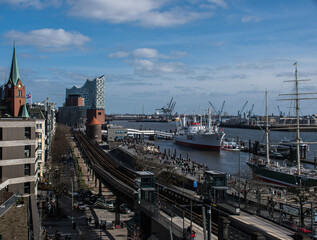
[(85, 229)]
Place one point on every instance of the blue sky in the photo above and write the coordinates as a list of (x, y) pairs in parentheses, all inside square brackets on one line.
[(151, 50)]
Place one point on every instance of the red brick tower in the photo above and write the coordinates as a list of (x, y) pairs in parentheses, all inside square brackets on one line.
[(14, 89)]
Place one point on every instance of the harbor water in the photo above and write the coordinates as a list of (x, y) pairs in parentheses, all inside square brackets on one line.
[(224, 161)]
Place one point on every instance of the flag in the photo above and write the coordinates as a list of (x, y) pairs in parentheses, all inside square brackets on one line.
[(29, 95)]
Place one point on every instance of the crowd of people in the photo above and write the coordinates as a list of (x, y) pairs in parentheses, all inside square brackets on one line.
[(151, 152)]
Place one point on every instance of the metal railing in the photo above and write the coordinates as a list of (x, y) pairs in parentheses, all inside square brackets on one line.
[(236, 234), (9, 203)]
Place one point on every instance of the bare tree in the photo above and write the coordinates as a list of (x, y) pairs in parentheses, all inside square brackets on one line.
[(56, 169), (260, 190), (301, 196), (245, 185)]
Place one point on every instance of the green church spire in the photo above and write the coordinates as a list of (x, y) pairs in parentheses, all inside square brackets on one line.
[(25, 113), (14, 73)]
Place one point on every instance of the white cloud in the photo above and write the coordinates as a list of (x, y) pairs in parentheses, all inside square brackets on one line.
[(41, 80), (141, 12), (31, 56), (119, 54), (48, 39), (38, 4), (145, 53), (148, 67), (246, 19), (220, 3)]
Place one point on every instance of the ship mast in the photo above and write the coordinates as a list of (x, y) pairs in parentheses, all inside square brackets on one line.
[(267, 130), (297, 98), (297, 121)]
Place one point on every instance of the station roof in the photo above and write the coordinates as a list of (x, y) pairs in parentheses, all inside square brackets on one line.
[(144, 173), (215, 173)]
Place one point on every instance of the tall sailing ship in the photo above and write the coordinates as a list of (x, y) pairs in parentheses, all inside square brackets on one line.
[(284, 175)]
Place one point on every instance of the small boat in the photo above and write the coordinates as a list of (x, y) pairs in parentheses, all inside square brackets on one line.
[(287, 144), (231, 146)]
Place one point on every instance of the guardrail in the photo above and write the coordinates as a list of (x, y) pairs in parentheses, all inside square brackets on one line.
[(9, 203)]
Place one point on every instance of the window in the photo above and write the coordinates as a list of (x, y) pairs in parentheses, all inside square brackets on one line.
[(99, 113), (20, 93), (27, 132), (27, 187), (0, 133), (39, 145), (39, 156), (39, 126), (0, 174), (0, 153), (27, 169), (27, 151), (39, 135)]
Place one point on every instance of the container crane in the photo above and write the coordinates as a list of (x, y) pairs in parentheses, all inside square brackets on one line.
[(279, 111), (242, 109), (218, 112), (250, 111), (168, 109)]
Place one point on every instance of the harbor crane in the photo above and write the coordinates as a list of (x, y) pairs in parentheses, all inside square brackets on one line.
[(218, 112), (242, 109), (280, 112), (168, 109), (250, 112)]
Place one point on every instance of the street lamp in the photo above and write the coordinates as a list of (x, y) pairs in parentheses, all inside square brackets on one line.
[(239, 179), (72, 206)]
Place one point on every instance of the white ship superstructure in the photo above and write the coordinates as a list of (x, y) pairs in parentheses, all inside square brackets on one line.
[(197, 135)]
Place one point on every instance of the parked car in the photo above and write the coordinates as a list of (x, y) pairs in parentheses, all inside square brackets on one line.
[(109, 204), (82, 206), (103, 223), (76, 204), (100, 204), (124, 209)]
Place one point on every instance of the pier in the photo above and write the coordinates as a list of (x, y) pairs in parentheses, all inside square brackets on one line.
[(148, 133)]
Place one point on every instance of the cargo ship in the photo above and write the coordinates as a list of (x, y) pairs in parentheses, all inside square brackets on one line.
[(199, 136)]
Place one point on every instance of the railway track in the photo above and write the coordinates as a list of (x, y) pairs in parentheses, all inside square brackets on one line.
[(116, 175), (122, 178), (175, 197)]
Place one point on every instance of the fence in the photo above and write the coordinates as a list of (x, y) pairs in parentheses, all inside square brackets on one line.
[(235, 234)]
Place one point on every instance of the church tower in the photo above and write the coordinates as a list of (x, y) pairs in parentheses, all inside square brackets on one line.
[(14, 89)]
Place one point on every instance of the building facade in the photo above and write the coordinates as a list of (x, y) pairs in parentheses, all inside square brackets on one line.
[(93, 91), (48, 110), (18, 161), (84, 103), (37, 115), (18, 144)]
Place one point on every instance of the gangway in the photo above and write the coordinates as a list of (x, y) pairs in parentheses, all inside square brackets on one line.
[(156, 133)]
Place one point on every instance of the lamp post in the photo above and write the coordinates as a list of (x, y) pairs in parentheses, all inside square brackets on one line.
[(209, 224), (72, 205), (239, 180), (312, 217)]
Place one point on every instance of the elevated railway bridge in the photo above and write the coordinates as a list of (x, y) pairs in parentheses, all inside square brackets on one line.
[(123, 182)]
